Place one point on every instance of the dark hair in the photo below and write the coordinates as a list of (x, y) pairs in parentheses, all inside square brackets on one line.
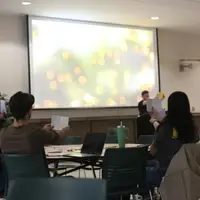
[(20, 104), (180, 117), (144, 92)]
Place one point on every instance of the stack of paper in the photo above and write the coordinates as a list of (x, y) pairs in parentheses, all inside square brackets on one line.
[(59, 122)]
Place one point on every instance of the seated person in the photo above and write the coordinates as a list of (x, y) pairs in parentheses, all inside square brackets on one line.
[(176, 129), (22, 137)]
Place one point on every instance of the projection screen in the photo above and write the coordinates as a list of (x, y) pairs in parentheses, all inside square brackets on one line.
[(75, 64)]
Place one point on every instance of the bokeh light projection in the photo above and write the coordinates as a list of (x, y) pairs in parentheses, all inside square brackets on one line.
[(76, 64)]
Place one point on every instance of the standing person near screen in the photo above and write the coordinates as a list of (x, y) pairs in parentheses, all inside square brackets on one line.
[(142, 105), (22, 136)]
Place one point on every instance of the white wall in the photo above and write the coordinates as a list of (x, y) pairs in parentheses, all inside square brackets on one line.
[(13, 54), (172, 47)]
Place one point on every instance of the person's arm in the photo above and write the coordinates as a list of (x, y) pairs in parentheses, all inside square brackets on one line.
[(144, 103), (141, 108), (159, 139), (155, 123), (50, 136)]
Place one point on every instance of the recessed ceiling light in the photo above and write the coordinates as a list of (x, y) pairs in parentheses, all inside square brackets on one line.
[(26, 3), (154, 18)]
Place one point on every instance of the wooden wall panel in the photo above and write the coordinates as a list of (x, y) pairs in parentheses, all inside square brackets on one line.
[(104, 125), (79, 128)]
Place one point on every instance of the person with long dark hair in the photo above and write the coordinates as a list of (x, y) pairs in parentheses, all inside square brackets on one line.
[(176, 129)]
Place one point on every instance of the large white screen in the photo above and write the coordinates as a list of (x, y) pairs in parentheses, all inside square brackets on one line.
[(79, 64)]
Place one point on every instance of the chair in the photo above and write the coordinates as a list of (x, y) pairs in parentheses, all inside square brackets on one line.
[(124, 170), (93, 143), (24, 166), (111, 139), (111, 136), (57, 189), (144, 127), (145, 139), (70, 140)]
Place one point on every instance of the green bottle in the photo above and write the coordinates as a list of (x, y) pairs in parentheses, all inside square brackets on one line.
[(121, 135)]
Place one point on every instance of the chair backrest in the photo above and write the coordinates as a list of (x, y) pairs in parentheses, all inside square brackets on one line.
[(57, 189), (25, 166), (124, 169), (111, 139), (145, 139), (71, 140), (93, 143), (111, 136), (144, 127)]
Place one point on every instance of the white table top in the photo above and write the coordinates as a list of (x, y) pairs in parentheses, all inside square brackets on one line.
[(64, 151)]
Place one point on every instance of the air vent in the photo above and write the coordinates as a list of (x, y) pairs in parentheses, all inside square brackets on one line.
[(193, 1)]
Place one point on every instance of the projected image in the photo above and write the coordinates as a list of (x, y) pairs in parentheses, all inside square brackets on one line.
[(90, 65)]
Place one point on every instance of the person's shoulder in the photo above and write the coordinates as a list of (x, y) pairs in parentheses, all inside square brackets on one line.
[(140, 103), (6, 129), (33, 128), (165, 126), (2, 130)]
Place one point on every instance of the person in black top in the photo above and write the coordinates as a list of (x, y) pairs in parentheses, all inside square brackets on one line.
[(142, 107), (176, 129)]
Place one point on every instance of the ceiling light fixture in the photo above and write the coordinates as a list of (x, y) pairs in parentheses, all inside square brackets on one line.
[(26, 3), (154, 18)]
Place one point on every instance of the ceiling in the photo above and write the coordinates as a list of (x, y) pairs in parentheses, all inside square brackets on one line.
[(173, 14)]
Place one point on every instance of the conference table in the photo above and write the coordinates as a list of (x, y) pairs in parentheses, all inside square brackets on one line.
[(72, 153)]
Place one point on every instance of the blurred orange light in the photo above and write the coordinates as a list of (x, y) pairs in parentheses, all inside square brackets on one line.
[(122, 100), (77, 70), (82, 80), (61, 78), (110, 102), (53, 85), (47, 102), (65, 55), (109, 53), (68, 77)]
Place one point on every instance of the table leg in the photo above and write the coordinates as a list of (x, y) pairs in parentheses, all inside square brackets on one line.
[(93, 170), (55, 168), (72, 170)]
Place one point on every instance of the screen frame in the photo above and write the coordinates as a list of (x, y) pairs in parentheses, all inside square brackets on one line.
[(30, 61)]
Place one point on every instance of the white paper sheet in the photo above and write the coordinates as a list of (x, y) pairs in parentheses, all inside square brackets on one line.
[(162, 113), (155, 104), (3, 106), (59, 122)]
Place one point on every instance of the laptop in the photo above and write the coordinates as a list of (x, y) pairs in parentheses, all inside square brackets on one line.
[(93, 144)]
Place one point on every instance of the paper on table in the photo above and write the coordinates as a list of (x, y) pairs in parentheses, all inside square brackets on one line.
[(59, 122)]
